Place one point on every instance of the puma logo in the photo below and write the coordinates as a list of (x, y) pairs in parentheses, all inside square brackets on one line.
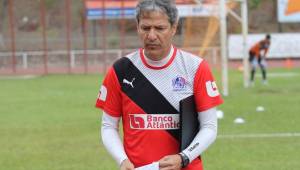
[(130, 83)]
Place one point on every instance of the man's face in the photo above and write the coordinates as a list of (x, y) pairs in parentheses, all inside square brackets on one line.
[(156, 34)]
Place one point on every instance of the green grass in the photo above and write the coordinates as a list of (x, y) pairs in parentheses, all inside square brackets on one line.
[(50, 123), (281, 99)]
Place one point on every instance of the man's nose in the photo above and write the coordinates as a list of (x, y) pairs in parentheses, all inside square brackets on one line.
[(152, 35)]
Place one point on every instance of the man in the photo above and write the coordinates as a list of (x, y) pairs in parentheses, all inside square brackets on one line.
[(144, 89), (257, 55)]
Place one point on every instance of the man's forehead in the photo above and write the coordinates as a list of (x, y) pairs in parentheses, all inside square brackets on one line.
[(154, 17)]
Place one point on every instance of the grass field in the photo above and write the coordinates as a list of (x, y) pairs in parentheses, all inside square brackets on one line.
[(50, 123)]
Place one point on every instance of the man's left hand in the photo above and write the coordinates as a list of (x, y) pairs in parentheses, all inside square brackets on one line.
[(170, 162)]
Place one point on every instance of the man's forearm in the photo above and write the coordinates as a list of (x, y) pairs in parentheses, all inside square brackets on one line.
[(111, 138), (206, 135)]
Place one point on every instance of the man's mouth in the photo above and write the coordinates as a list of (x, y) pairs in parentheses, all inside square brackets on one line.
[(151, 46)]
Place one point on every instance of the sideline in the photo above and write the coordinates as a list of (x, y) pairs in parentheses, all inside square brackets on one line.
[(25, 77), (259, 135), (287, 74)]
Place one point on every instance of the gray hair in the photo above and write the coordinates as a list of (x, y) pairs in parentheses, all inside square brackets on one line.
[(166, 6)]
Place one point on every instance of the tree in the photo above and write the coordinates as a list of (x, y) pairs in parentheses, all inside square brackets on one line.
[(2, 14), (2, 17), (254, 3)]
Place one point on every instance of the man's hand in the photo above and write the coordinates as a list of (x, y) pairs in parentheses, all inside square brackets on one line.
[(170, 162), (126, 165)]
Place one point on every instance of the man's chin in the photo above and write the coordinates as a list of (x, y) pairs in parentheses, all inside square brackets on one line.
[(152, 50), (152, 53)]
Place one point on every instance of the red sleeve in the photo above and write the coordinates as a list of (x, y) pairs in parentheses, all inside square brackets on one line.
[(205, 89), (109, 96)]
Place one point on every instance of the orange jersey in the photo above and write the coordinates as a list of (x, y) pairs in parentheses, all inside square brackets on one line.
[(262, 45)]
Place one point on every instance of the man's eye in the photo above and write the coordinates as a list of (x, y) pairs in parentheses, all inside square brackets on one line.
[(146, 28), (160, 28)]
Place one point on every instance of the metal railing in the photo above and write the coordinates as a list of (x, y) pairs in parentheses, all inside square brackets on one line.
[(86, 60)]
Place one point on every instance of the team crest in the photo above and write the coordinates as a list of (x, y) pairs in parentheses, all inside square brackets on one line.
[(179, 83)]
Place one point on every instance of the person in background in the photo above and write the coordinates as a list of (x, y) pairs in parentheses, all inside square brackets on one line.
[(257, 56), (143, 89)]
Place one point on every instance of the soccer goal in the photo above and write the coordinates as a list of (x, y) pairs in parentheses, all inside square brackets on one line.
[(206, 30)]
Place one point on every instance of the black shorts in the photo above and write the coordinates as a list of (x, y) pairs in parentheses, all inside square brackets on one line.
[(251, 56)]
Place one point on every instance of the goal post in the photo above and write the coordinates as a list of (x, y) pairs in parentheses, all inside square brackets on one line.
[(224, 47)]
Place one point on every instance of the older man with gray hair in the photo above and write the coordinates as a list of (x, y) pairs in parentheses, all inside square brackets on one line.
[(145, 87)]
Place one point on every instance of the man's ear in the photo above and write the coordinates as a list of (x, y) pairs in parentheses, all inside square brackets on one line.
[(174, 28), (137, 27)]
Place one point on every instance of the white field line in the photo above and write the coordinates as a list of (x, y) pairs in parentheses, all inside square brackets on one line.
[(259, 135), (25, 77), (287, 74)]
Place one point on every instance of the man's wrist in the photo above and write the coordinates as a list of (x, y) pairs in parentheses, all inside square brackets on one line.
[(122, 160), (184, 159)]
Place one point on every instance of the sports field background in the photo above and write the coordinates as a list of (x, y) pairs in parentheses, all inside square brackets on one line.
[(50, 123)]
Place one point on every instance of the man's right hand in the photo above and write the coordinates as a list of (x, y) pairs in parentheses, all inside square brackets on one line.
[(126, 165)]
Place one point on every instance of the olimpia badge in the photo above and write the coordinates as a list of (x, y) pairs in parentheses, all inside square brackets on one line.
[(179, 83)]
